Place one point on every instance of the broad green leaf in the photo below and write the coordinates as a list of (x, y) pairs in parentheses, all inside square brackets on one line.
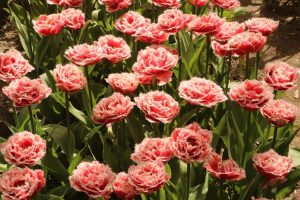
[(84, 32), (294, 154), (59, 191), (288, 186), (77, 159), (53, 165), (168, 169), (196, 55), (187, 116), (47, 197), (91, 133), (108, 156), (162, 193), (12, 128), (75, 112), (41, 50), (171, 191), (247, 192), (17, 12), (135, 128), (62, 138), (26, 120)]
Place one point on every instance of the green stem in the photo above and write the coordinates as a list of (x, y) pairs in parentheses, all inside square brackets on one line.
[(207, 55), (166, 130), (124, 134), (89, 86), (274, 137), (249, 122), (220, 77), (247, 135), (221, 12), (228, 71), (179, 54), (74, 35), (257, 58), (268, 134), (275, 94), (16, 117), (155, 12), (247, 66), (188, 171), (31, 119), (156, 130), (68, 113)]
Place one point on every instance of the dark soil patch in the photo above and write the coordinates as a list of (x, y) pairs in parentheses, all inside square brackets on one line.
[(8, 39)]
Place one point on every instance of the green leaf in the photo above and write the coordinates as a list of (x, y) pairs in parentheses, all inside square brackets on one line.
[(220, 128), (168, 169), (237, 135), (47, 197), (294, 154), (53, 165), (75, 112), (285, 142), (59, 191), (26, 120), (187, 116), (12, 128), (196, 55), (77, 159), (17, 12), (144, 197), (48, 78), (135, 128), (62, 138), (247, 192), (41, 50), (162, 193), (108, 156), (288, 187), (171, 191), (84, 32)]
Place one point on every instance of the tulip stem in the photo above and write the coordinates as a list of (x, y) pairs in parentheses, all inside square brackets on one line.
[(16, 117), (207, 55), (166, 130), (156, 130), (68, 113), (188, 173), (275, 94), (247, 132), (228, 71), (221, 12), (256, 64), (89, 86), (154, 13), (31, 119), (221, 76), (274, 137), (247, 65), (179, 54)]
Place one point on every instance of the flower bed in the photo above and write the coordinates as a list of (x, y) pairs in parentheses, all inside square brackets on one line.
[(133, 100)]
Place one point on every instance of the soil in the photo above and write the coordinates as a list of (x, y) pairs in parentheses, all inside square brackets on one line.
[(8, 39), (283, 45)]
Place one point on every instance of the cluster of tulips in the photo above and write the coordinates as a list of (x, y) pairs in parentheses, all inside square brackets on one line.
[(156, 85)]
